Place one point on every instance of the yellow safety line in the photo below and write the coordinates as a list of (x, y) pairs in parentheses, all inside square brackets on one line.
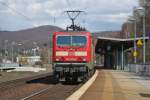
[(76, 95)]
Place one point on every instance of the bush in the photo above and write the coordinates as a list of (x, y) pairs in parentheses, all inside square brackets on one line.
[(39, 63)]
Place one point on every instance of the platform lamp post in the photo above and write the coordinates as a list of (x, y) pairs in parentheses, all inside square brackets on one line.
[(19, 45), (6, 41), (13, 43), (141, 12), (133, 19), (34, 48)]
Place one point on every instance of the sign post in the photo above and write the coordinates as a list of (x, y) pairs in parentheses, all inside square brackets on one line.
[(149, 35)]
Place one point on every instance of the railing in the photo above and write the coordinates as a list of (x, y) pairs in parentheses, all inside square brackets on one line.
[(9, 65), (141, 69)]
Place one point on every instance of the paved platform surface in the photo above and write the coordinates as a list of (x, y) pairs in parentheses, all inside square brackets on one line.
[(117, 85)]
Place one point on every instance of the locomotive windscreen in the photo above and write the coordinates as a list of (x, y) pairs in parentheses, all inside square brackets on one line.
[(71, 40), (63, 40)]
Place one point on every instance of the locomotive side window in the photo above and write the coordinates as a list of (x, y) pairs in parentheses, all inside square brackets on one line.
[(64, 40), (79, 40)]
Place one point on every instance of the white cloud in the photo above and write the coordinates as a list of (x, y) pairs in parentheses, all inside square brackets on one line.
[(36, 7), (116, 17), (43, 11)]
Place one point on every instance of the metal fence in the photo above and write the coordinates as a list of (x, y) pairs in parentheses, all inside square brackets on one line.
[(9, 65), (139, 69)]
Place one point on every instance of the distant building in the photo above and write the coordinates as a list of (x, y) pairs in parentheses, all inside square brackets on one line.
[(127, 30), (28, 60), (144, 2)]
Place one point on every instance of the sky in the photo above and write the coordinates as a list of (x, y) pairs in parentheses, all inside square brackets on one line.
[(99, 15)]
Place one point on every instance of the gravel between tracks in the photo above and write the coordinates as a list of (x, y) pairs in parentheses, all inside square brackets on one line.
[(55, 92)]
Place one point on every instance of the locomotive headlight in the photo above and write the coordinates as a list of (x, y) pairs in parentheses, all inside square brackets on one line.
[(81, 53), (57, 59), (61, 53), (84, 59)]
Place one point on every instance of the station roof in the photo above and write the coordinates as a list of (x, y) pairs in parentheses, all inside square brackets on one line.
[(115, 43), (120, 40)]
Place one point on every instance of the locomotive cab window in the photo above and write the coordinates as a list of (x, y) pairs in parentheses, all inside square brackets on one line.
[(79, 40), (63, 40), (71, 41)]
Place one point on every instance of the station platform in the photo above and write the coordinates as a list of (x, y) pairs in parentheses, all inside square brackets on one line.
[(118, 85)]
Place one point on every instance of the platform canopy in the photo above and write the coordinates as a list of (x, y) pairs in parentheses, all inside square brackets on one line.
[(105, 44)]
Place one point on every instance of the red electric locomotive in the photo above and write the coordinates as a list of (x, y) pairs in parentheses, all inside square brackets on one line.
[(72, 52), (72, 55)]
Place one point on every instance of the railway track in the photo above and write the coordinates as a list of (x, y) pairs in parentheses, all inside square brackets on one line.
[(41, 87), (36, 93), (56, 92), (21, 81)]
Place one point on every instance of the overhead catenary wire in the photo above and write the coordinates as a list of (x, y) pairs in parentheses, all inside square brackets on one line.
[(68, 2), (15, 11)]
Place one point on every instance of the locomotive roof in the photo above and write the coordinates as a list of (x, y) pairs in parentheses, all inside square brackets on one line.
[(72, 32)]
